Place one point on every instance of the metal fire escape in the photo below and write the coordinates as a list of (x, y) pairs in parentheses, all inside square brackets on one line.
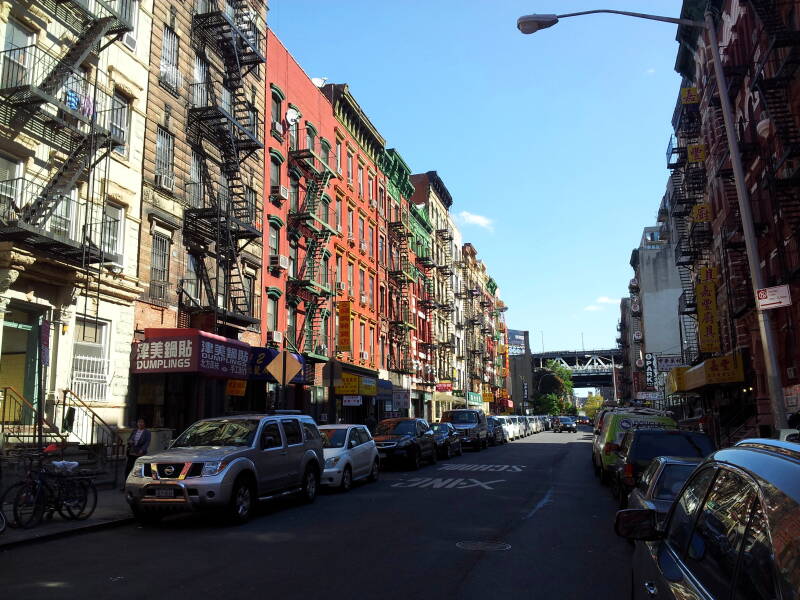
[(447, 342), (312, 282), (222, 219), (53, 99), (427, 302), (687, 188), (772, 77), (401, 274)]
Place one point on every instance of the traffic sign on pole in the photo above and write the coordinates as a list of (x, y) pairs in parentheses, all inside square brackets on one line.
[(774, 297)]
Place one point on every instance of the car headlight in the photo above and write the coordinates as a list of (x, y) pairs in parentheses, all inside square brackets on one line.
[(213, 467), (138, 468), (332, 461)]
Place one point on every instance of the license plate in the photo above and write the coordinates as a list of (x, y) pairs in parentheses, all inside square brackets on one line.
[(165, 493)]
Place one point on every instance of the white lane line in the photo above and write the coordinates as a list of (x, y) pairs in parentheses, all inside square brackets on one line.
[(542, 503)]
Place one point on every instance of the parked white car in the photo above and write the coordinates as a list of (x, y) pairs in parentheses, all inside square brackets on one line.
[(507, 426), (350, 455)]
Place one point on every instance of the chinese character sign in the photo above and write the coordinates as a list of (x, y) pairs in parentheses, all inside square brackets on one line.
[(701, 213), (343, 337), (689, 95), (696, 153), (707, 316), (189, 351)]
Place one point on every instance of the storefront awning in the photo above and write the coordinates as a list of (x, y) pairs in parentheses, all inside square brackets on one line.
[(189, 351), (714, 371)]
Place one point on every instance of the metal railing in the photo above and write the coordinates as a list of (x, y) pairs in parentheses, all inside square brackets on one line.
[(19, 421), (211, 94), (80, 423)]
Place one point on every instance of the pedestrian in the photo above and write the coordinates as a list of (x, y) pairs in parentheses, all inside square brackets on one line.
[(138, 444)]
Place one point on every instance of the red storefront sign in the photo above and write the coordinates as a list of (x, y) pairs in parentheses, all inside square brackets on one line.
[(190, 351), (444, 386)]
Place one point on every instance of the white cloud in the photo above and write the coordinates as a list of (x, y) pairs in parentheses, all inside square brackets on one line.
[(469, 218), (593, 307), (607, 300), (650, 71)]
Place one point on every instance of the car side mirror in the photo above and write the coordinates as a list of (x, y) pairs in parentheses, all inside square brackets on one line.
[(353, 443), (637, 524)]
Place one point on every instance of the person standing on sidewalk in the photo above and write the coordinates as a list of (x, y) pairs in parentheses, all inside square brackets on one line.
[(138, 444)]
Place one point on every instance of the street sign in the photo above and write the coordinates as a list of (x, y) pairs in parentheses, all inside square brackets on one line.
[(774, 297), (284, 367), (648, 395)]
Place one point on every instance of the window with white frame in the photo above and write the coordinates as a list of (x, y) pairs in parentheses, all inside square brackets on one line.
[(90, 362), (169, 75), (10, 171), (113, 229), (165, 158), (121, 121)]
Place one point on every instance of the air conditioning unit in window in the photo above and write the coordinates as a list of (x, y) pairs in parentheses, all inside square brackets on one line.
[(275, 337), (279, 193), (341, 286), (278, 261), (363, 298), (165, 181), (364, 355), (130, 41), (338, 228), (373, 204), (321, 350), (363, 247), (277, 127)]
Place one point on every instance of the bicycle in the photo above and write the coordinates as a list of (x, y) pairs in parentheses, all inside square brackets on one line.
[(47, 491)]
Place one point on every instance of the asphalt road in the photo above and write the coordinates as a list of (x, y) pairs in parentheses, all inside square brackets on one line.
[(411, 535)]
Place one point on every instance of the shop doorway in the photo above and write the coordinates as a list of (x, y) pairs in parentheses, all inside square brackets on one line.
[(20, 359)]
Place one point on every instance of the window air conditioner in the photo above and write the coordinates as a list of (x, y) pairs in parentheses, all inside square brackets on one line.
[(165, 181), (130, 41), (341, 286), (278, 261), (275, 337), (363, 246), (364, 355), (277, 127), (363, 298), (279, 193)]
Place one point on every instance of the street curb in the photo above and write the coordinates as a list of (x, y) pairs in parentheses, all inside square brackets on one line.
[(67, 533)]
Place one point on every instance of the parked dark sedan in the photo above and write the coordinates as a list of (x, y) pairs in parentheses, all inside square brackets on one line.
[(448, 442), (496, 433), (564, 424), (409, 441), (660, 484), (640, 446), (731, 533)]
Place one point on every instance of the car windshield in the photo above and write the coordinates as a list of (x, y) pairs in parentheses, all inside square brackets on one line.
[(461, 417), (227, 432), (397, 428), (565, 420), (440, 427), (333, 438), (671, 481), (647, 447)]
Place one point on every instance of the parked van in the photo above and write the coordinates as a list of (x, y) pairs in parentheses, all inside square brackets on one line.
[(614, 425)]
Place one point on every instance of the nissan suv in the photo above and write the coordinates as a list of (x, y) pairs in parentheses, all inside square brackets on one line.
[(229, 463)]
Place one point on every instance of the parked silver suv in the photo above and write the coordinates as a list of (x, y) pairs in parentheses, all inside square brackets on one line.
[(229, 463)]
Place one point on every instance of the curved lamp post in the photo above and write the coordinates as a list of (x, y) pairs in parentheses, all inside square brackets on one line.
[(532, 23)]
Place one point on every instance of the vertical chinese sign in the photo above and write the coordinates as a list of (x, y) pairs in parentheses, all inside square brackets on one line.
[(707, 311), (343, 335)]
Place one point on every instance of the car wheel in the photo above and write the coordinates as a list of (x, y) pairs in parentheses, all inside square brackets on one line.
[(374, 473), (434, 456), (449, 452), (310, 485), (416, 460), (243, 497), (347, 479), (460, 451)]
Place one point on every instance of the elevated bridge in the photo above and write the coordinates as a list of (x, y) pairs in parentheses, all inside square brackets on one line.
[(589, 368)]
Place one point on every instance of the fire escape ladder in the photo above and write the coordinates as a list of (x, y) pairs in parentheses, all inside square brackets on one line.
[(400, 273)]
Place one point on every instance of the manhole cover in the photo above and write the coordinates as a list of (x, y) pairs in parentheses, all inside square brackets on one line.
[(484, 546)]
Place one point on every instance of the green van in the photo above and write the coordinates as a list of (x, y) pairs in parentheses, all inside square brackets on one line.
[(613, 425)]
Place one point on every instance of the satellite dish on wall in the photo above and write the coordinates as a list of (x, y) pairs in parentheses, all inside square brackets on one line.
[(319, 81), (292, 115)]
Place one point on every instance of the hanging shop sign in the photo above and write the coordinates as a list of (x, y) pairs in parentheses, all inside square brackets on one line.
[(384, 395), (676, 380), (696, 153), (401, 399), (474, 399), (236, 387), (351, 401), (690, 95), (488, 397), (650, 370), (190, 351), (264, 361), (667, 363), (444, 386), (714, 371), (701, 213), (707, 316), (708, 274), (349, 385), (343, 335), (524, 390), (368, 386)]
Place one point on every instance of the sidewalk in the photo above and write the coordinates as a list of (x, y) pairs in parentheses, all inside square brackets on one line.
[(112, 510)]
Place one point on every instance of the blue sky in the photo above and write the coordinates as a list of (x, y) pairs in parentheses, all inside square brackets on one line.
[(552, 145)]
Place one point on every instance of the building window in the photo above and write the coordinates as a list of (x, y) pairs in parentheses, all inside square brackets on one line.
[(250, 293), (350, 278), (381, 200), (372, 343), (371, 291), (169, 75), (325, 209), (325, 152), (350, 232), (159, 266), (294, 193), (361, 278), (189, 283), (165, 159), (275, 111), (292, 259), (370, 189), (338, 156), (194, 190), (113, 229), (361, 336), (90, 363), (291, 324), (370, 240), (251, 200), (383, 351), (339, 214), (120, 122), (360, 181), (272, 313), (274, 239), (274, 172), (360, 229), (324, 274), (381, 249), (311, 136), (338, 269), (349, 168)]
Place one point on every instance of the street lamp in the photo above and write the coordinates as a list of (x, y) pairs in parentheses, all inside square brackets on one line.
[(532, 23)]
